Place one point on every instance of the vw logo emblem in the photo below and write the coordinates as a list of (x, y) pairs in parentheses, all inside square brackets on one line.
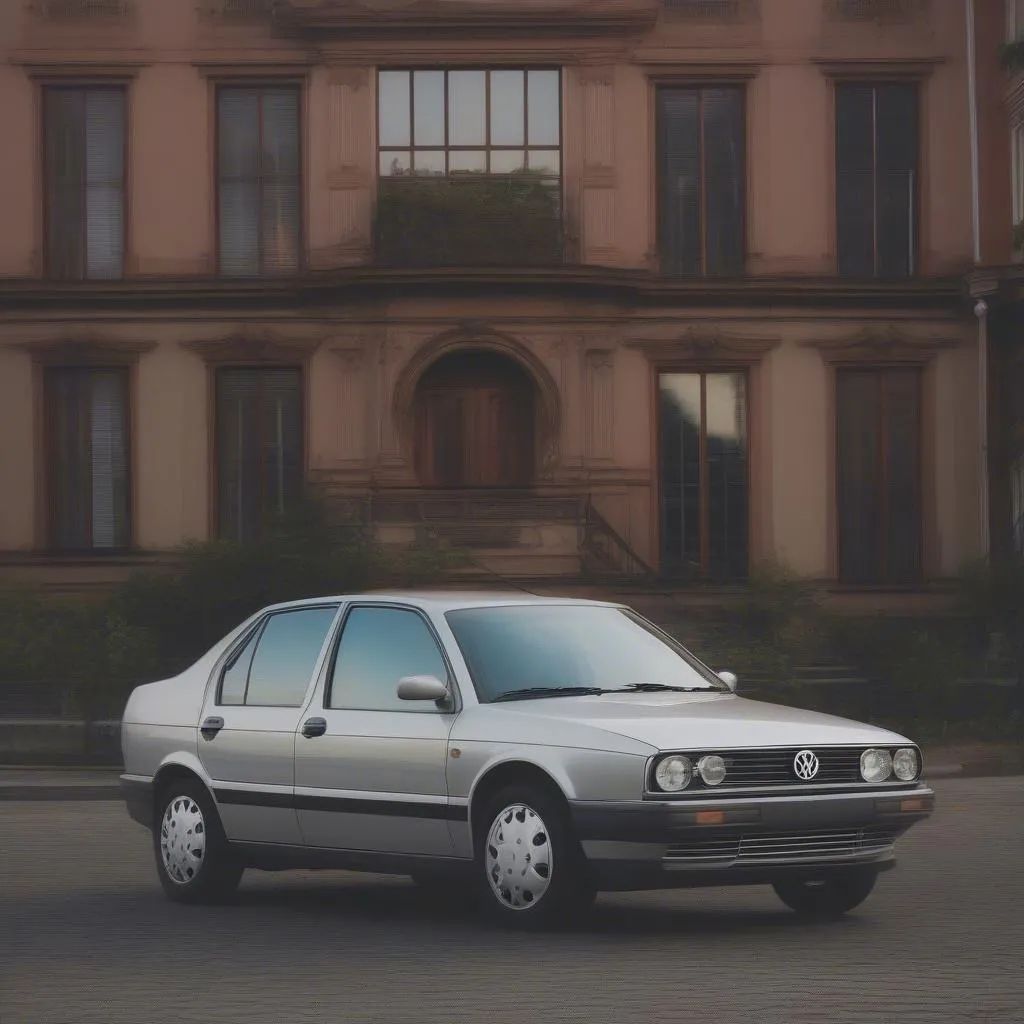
[(805, 764)]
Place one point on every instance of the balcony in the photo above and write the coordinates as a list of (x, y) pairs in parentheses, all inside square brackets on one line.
[(513, 220), (361, 18)]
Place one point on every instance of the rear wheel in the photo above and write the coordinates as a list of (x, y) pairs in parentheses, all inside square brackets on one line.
[(530, 869), (193, 859), (832, 895)]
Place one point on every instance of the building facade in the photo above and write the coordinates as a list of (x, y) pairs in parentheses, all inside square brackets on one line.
[(666, 285)]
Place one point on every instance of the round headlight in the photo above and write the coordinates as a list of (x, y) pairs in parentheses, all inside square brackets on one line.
[(712, 770), (875, 765), (673, 773), (904, 764)]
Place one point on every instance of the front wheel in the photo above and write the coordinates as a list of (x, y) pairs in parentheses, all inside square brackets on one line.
[(530, 869), (831, 895), (193, 858)]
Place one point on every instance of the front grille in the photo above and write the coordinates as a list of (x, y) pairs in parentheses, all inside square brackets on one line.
[(830, 844), (751, 768)]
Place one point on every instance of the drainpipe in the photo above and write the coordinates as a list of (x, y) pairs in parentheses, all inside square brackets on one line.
[(981, 308)]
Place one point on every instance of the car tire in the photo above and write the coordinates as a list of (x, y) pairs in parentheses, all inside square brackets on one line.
[(529, 868), (193, 858), (831, 895)]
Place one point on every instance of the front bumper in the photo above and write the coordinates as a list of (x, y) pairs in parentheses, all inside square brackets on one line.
[(647, 844)]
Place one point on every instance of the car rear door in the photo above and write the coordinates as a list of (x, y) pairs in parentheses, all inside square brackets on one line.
[(249, 721), (370, 768)]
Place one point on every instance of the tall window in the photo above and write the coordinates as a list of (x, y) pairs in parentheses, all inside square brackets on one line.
[(87, 448), (259, 447), (259, 180), (1014, 20), (877, 179), (475, 121), (701, 181), (704, 480), (878, 435), (84, 158)]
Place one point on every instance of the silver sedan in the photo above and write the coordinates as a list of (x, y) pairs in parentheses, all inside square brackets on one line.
[(533, 750)]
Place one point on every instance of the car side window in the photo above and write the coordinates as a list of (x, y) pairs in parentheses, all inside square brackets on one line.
[(236, 673), (379, 646), (284, 656)]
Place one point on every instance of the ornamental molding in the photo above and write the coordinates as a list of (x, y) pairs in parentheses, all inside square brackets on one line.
[(88, 349), (885, 343), (705, 343), (254, 346)]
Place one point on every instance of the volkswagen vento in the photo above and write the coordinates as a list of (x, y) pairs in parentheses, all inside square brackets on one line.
[(538, 750)]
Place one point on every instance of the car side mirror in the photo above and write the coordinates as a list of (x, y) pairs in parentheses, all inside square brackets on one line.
[(422, 688), (730, 680)]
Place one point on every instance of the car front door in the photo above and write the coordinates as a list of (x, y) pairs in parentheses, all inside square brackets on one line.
[(370, 768), (249, 720)]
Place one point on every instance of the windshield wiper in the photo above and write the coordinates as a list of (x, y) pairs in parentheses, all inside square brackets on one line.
[(660, 688), (550, 691)]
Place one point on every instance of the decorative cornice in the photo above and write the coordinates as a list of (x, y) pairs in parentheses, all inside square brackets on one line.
[(253, 346), (367, 18), (351, 356), (84, 349), (665, 64), (887, 343), (874, 66), (705, 343)]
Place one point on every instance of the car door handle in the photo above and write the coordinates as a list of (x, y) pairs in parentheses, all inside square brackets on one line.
[(211, 726), (314, 727)]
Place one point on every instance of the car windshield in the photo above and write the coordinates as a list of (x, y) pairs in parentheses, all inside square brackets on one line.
[(564, 650)]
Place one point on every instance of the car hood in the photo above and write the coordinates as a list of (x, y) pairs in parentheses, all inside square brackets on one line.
[(674, 721)]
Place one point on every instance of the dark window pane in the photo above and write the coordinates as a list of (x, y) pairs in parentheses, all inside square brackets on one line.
[(85, 151), (286, 655), (380, 646), (878, 475), (260, 451), (723, 181), (728, 506), (876, 179), (87, 412), (701, 181), (703, 475), (259, 186)]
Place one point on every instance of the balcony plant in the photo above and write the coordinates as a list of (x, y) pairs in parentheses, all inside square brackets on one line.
[(464, 220)]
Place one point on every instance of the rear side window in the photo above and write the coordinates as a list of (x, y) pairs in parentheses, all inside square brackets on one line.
[(275, 667)]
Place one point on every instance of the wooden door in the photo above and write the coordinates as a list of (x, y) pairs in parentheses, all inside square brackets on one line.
[(475, 431)]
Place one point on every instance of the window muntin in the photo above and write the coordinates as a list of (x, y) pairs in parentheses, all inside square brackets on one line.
[(378, 647), (469, 121)]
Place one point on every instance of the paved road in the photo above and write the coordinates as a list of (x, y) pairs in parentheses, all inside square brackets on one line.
[(86, 937)]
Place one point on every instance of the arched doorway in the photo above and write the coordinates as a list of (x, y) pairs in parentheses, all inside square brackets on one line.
[(475, 422)]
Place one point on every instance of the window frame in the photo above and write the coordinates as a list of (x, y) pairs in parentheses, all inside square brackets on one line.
[(49, 489), (486, 146), (921, 476), (299, 365), (700, 85), (1014, 30), (59, 83), (296, 84), (918, 239), (255, 632), (452, 706), (1017, 172), (749, 372)]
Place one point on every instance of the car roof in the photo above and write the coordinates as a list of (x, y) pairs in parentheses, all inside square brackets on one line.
[(451, 600)]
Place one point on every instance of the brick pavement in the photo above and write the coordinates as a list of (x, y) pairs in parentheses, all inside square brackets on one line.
[(87, 937)]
